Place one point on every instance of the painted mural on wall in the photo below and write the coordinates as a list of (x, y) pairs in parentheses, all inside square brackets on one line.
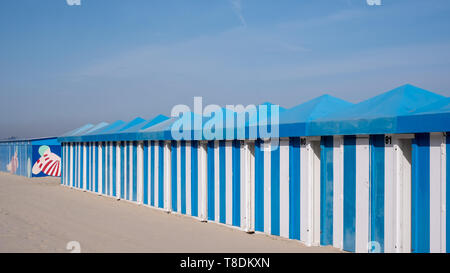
[(49, 163), (13, 165)]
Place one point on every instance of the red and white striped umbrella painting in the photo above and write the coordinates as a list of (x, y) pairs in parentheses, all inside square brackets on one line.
[(49, 163)]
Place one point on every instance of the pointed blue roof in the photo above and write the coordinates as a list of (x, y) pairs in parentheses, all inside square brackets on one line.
[(154, 121), (431, 118), (131, 124), (96, 128), (113, 126), (376, 115), (79, 130), (316, 108)]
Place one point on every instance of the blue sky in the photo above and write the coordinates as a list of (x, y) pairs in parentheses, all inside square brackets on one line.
[(63, 66)]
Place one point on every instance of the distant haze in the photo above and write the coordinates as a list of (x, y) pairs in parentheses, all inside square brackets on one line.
[(64, 66)]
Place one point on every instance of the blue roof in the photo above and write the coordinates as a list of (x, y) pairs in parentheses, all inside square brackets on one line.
[(154, 121), (406, 109), (79, 130), (432, 118), (377, 115), (294, 120)]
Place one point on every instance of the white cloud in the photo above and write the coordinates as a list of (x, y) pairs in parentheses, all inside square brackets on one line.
[(237, 7)]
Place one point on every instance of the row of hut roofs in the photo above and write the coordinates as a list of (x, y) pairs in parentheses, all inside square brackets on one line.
[(406, 109), (372, 175)]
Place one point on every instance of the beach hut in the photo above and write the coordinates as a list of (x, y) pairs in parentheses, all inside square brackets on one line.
[(35, 157), (365, 177)]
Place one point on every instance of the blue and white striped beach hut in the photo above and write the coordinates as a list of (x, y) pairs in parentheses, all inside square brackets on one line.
[(361, 177)]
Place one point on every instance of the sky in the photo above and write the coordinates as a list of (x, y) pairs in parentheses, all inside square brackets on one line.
[(63, 66)]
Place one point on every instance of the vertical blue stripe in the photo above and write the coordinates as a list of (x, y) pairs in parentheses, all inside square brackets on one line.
[(377, 181), (275, 192), (420, 194), (96, 167), (222, 182), (161, 175), (114, 168), (88, 167), (326, 190), (152, 173), (122, 169), (63, 167), (194, 178), (259, 185), (104, 167), (174, 187), (75, 148), (134, 170), (294, 188), (349, 192), (128, 167), (107, 171), (211, 181), (447, 203), (146, 171), (236, 183), (183, 176)]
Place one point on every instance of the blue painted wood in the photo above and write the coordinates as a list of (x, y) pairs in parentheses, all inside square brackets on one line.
[(211, 181), (326, 190), (349, 193), (259, 185), (377, 186), (222, 182), (420, 194), (183, 176), (174, 163), (161, 174), (152, 173), (134, 170), (145, 173), (294, 188), (194, 178)]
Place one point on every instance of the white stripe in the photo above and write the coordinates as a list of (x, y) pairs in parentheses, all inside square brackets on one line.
[(156, 149), (362, 194), (149, 177), (107, 157), (202, 182), (140, 171), (100, 163), (435, 192), (167, 176), (79, 174), (338, 192), (216, 181), (118, 169), (84, 166), (444, 195), (243, 194), (71, 165), (179, 176), (188, 178), (267, 186), (229, 181), (389, 200), (111, 168), (130, 174)]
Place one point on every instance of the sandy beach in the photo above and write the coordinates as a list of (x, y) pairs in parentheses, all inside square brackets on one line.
[(40, 215)]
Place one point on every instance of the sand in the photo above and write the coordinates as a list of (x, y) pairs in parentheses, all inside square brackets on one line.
[(40, 215)]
